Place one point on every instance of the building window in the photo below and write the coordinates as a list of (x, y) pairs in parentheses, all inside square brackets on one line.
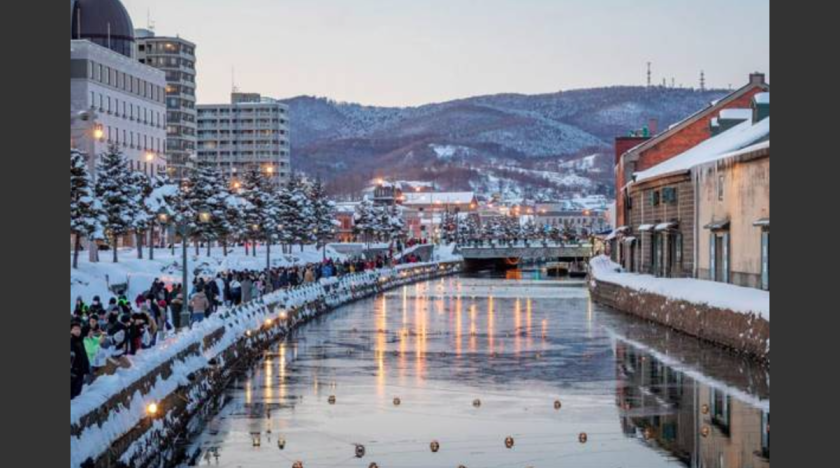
[(765, 435), (654, 198), (719, 257), (765, 259), (720, 188), (720, 404)]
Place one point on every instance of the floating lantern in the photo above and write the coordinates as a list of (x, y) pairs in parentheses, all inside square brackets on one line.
[(331, 399), (298, 464), (248, 333), (397, 401), (509, 442), (360, 451), (256, 440), (435, 446), (705, 409), (476, 403), (582, 438), (152, 409), (705, 431), (281, 443), (557, 405), (268, 322)]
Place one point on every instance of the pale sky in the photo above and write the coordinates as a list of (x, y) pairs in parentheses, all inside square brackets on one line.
[(412, 52)]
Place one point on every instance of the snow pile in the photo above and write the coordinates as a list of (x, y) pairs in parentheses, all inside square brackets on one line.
[(720, 295)]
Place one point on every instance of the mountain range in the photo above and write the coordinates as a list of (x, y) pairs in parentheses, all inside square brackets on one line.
[(535, 146)]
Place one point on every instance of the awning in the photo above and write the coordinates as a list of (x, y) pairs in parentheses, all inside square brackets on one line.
[(665, 226), (717, 225), (622, 229), (763, 222), (646, 227), (628, 240)]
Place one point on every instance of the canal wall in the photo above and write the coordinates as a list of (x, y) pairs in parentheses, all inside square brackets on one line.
[(735, 327), (143, 415)]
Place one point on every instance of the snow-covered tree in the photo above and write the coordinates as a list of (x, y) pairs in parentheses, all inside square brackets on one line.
[(85, 211), (323, 214), (365, 220), (391, 225), (143, 217), (448, 226), (200, 196), (262, 212), (116, 193), (162, 205)]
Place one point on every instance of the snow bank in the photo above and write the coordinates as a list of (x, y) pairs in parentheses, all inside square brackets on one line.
[(713, 294)]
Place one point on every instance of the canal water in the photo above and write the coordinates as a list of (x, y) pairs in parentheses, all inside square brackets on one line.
[(516, 370)]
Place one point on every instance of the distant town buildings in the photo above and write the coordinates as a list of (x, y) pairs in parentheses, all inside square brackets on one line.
[(114, 99), (694, 201), (250, 133), (176, 57), (424, 211)]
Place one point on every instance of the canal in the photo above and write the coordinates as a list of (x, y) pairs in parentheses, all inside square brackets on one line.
[(510, 371)]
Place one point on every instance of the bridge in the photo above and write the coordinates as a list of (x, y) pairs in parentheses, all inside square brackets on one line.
[(503, 254)]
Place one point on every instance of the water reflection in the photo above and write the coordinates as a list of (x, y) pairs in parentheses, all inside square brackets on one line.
[(646, 398)]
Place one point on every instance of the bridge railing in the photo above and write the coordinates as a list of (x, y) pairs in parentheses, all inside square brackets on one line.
[(501, 243)]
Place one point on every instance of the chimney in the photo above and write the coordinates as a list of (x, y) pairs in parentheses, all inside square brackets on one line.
[(757, 78), (653, 126)]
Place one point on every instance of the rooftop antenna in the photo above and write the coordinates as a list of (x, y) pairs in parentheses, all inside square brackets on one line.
[(233, 79), (150, 25), (702, 80), (648, 74)]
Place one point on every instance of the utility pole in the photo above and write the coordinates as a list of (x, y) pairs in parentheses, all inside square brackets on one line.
[(648, 75), (702, 80)]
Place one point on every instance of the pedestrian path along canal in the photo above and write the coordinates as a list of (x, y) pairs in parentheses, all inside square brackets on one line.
[(493, 371)]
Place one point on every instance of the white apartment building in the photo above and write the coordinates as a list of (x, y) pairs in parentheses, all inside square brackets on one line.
[(252, 132), (124, 100)]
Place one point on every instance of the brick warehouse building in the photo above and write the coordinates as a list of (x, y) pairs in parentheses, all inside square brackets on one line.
[(636, 154), (666, 239), (676, 139)]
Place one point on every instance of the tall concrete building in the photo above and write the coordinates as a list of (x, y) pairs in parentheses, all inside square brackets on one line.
[(252, 132), (176, 57), (114, 99)]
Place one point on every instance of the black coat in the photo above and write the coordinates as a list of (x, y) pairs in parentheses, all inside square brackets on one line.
[(80, 366)]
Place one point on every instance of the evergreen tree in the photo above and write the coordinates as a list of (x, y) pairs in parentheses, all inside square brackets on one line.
[(262, 212), (143, 217), (303, 225), (323, 214), (390, 224), (162, 205), (204, 205), (116, 193), (85, 211), (365, 221)]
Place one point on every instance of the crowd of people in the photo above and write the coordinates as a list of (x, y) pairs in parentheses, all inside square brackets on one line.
[(103, 334)]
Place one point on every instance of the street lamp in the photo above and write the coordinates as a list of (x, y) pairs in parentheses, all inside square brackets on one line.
[(150, 156), (98, 132)]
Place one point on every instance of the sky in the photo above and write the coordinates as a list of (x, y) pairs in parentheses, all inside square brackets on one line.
[(413, 52)]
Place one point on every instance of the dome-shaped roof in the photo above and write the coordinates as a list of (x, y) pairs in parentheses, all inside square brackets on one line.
[(105, 22)]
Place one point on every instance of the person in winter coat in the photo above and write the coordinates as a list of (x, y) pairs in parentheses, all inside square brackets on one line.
[(199, 304), (93, 342), (79, 363), (80, 310), (235, 291), (309, 276), (96, 306), (176, 306), (246, 289), (117, 335)]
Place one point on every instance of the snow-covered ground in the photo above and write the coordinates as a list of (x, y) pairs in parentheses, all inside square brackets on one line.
[(92, 279), (725, 296)]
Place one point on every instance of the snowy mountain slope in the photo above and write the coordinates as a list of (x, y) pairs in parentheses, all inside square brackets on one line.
[(457, 143)]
